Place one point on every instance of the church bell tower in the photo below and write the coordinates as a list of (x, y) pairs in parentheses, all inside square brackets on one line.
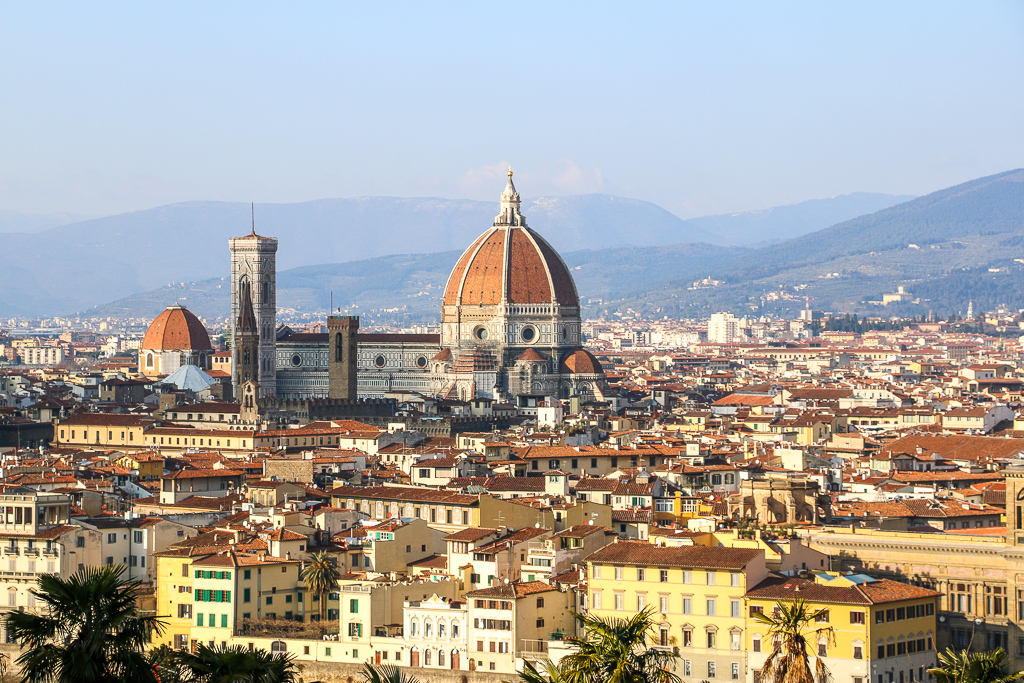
[(254, 268)]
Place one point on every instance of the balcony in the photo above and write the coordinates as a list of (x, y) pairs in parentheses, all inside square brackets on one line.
[(8, 550), (32, 551)]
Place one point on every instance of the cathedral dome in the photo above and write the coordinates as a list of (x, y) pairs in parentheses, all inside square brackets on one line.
[(176, 329), (580, 362), (510, 263)]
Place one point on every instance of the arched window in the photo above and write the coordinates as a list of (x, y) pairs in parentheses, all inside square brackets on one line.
[(149, 360), (440, 657), (441, 628), (247, 357), (428, 629), (426, 656), (414, 628), (278, 648)]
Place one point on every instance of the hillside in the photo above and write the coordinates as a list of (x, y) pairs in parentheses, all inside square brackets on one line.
[(940, 246), (70, 267), (407, 288), (786, 222)]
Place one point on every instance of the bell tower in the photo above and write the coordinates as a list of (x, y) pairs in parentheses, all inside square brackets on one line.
[(254, 264), (245, 343), (342, 353), (1015, 507)]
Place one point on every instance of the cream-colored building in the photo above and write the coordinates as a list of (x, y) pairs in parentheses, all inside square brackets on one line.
[(696, 592)]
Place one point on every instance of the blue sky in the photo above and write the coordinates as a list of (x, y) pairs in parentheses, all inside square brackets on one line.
[(700, 107)]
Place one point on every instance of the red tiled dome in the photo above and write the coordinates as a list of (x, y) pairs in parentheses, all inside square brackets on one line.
[(176, 329), (580, 362), (512, 261)]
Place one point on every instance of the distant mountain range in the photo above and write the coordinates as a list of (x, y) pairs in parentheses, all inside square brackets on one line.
[(960, 243), (67, 268)]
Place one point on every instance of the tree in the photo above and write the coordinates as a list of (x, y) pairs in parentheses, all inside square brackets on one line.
[(616, 651), (91, 631), (961, 666), (386, 673), (321, 577), (234, 664), (789, 629)]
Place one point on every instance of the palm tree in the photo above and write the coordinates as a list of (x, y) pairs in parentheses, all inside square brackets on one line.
[(234, 664), (789, 629), (961, 666), (92, 630), (321, 577), (616, 651), (549, 674), (386, 673)]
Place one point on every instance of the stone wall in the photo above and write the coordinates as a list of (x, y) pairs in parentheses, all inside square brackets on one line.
[(331, 672), (327, 672)]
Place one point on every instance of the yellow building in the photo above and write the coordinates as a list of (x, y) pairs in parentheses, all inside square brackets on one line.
[(149, 465), (884, 630), (207, 598), (104, 430), (696, 592)]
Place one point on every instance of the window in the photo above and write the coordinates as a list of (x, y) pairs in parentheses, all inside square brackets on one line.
[(619, 602), (856, 617), (595, 600), (711, 578), (618, 573), (246, 594), (540, 623), (735, 605), (712, 639), (734, 640), (756, 644), (858, 652), (595, 571), (995, 601), (640, 574), (223, 621), (663, 575), (711, 669), (734, 579), (641, 602), (663, 604), (687, 605), (821, 617), (687, 667), (353, 606), (711, 607), (879, 617), (199, 619), (822, 648), (687, 637), (687, 576), (735, 671)]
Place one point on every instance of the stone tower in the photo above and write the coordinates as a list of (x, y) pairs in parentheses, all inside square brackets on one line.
[(1015, 507), (341, 356), (254, 267), (245, 345)]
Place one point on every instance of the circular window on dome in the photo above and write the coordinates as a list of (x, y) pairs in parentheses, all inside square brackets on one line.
[(296, 360), (379, 361), (529, 334), (421, 362), (480, 333)]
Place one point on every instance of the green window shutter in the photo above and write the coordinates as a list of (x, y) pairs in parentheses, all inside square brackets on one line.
[(199, 574), (223, 621), (199, 619), (227, 575), (227, 596)]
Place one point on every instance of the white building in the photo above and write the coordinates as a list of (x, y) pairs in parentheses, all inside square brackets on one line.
[(723, 328)]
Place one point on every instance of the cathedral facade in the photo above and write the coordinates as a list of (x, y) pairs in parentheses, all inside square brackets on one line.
[(510, 331)]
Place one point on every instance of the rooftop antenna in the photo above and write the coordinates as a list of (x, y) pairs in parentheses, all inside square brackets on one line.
[(252, 207)]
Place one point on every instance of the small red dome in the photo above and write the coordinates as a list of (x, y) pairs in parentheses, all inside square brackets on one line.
[(580, 362), (176, 329)]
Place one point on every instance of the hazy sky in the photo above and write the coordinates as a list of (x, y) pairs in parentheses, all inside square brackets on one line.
[(700, 107)]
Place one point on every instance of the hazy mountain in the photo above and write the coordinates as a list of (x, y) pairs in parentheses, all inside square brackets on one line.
[(12, 221), (408, 288), (76, 266), (940, 246), (793, 220)]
